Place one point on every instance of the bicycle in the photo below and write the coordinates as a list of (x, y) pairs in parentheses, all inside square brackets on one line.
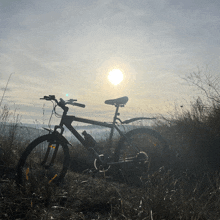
[(44, 161)]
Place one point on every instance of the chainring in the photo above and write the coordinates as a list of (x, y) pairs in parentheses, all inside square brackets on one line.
[(141, 158), (99, 166)]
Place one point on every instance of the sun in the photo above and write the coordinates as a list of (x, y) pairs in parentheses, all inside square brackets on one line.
[(115, 76)]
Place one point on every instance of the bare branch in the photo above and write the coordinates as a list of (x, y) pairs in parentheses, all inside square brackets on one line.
[(209, 85)]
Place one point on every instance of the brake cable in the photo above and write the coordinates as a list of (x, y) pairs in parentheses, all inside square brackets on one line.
[(56, 114)]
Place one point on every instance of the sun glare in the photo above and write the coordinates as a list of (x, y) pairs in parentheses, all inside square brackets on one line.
[(115, 76)]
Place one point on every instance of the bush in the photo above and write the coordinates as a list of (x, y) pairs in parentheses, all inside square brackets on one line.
[(194, 133)]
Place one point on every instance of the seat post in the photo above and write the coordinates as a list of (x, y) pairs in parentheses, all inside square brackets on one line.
[(114, 120)]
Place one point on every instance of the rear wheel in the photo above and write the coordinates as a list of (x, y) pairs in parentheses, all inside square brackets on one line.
[(44, 161), (141, 151)]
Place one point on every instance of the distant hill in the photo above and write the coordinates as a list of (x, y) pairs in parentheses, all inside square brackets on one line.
[(32, 131), (21, 131)]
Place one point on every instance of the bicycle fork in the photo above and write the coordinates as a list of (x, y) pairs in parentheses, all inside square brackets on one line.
[(50, 145)]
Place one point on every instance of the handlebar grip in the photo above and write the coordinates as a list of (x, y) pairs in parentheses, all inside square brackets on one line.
[(46, 98), (50, 97), (79, 105)]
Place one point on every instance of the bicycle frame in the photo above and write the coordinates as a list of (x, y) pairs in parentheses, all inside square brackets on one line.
[(68, 119)]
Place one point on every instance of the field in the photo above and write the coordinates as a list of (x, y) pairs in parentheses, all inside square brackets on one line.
[(187, 188)]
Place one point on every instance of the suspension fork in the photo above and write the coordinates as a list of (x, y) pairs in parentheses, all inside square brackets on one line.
[(54, 154), (49, 146)]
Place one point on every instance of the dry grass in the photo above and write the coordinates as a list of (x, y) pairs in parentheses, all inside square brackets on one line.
[(162, 196), (190, 189), (194, 136)]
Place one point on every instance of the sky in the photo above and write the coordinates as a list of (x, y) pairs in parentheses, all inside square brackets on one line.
[(59, 47)]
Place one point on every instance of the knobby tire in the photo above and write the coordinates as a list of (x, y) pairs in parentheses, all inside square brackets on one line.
[(141, 140), (32, 157)]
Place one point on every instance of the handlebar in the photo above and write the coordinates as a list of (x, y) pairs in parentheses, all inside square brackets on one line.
[(62, 103), (48, 98), (79, 105)]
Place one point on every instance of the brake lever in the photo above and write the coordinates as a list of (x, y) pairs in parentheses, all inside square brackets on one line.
[(72, 100)]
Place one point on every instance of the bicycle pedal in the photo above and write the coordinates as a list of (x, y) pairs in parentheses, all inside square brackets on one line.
[(90, 171), (96, 171)]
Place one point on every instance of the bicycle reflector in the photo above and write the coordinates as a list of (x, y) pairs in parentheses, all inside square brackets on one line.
[(52, 178), (27, 171)]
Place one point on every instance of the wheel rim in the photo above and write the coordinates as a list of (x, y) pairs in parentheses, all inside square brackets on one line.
[(40, 170)]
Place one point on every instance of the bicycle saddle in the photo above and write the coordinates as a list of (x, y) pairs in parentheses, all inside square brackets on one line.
[(119, 101)]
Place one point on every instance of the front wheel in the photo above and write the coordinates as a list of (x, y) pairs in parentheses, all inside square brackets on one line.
[(45, 160), (140, 151)]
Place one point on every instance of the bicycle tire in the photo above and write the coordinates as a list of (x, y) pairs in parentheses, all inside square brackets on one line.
[(142, 140), (30, 170)]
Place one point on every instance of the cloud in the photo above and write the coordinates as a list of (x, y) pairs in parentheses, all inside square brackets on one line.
[(68, 46)]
